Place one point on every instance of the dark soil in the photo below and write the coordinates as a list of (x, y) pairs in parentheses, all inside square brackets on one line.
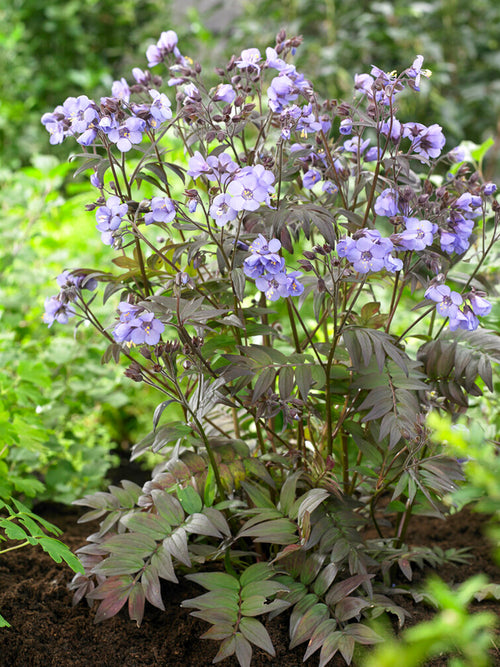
[(47, 631)]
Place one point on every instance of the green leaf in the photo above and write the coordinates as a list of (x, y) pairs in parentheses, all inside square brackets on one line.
[(256, 572), (350, 607), (59, 551), (4, 623), (341, 590), (210, 490), (258, 495), (325, 579), (190, 500), (215, 580), (288, 491), (168, 507), (276, 531), (13, 531), (226, 649), (149, 525), (152, 588), (258, 604), (255, 632), (213, 600), (200, 524)]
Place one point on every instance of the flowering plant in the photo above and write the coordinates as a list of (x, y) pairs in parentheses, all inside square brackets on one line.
[(292, 288)]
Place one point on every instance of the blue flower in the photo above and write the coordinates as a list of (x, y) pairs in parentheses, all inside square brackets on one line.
[(137, 326), (162, 210), (221, 210), (57, 311), (448, 302), (418, 234), (387, 203), (249, 59), (109, 218)]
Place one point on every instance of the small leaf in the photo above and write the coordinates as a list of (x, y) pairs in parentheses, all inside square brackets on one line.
[(215, 580), (350, 607), (226, 649), (176, 545), (325, 579), (190, 500), (320, 634), (256, 572), (329, 648), (311, 619), (362, 634), (255, 632), (136, 603), (346, 647), (243, 650), (168, 507), (152, 588), (149, 525), (339, 591), (200, 524)]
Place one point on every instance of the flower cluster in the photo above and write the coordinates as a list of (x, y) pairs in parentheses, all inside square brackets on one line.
[(59, 308), (462, 312), (369, 252), (268, 270), (137, 326)]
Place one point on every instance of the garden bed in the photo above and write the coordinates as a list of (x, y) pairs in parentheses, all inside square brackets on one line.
[(46, 630)]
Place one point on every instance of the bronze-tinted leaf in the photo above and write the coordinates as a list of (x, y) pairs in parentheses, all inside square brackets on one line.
[(136, 602), (256, 633)]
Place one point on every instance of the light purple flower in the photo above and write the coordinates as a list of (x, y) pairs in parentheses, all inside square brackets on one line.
[(221, 210), (224, 93), (273, 284), (198, 166), (109, 218), (120, 90), (310, 178), (141, 77), (160, 108), (480, 306), (345, 126), (137, 328), (418, 234), (293, 287), (448, 302), (249, 59), (370, 252), (489, 188), (392, 128), (426, 141), (387, 203), (162, 210), (251, 187), (57, 311), (69, 282), (129, 133)]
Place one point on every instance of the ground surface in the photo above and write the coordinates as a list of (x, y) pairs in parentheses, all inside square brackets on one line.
[(48, 632)]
